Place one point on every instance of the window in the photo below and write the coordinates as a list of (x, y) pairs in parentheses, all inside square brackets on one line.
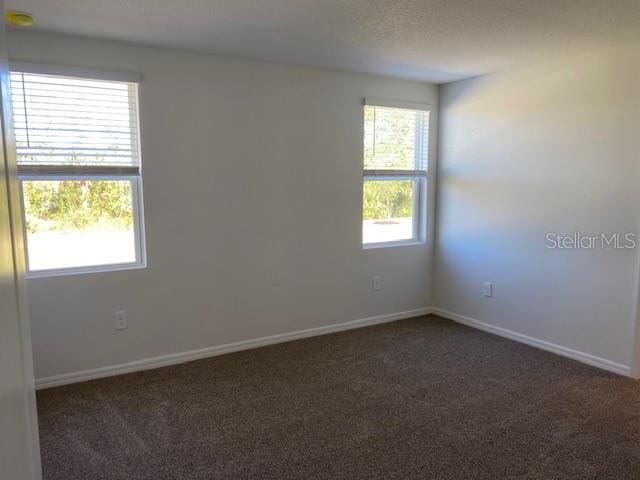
[(78, 161), (396, 145)]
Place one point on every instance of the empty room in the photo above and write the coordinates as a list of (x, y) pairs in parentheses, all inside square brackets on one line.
[(319, 239)]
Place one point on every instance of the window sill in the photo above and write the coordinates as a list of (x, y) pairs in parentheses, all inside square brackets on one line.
[(407, 243), (63, 272)]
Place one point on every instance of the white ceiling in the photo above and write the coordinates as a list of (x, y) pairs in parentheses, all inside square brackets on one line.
[(431, 40)]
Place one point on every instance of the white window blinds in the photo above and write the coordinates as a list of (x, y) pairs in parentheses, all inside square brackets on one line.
[(395, 139), (67, 124)]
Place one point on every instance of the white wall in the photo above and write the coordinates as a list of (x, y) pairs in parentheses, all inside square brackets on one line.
[(550, 148), (252, 192)]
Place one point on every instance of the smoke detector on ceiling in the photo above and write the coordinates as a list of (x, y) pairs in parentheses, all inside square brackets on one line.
[(18, 19)]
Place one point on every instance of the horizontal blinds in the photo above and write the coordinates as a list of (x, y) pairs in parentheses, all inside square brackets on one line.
[(394, 173), (383, 102), (395, 139), (72, 170), (74, 71), (67, 124)]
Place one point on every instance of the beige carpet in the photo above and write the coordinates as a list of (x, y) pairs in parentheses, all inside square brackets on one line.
[(416, 399)]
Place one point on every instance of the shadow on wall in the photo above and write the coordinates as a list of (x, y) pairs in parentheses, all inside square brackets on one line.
[(524, 153)]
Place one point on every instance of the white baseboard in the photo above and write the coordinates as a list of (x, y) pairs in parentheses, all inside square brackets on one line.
[(587, 358), (182, 357)]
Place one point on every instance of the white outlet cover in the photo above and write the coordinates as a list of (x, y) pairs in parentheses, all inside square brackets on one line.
[(120, 321)]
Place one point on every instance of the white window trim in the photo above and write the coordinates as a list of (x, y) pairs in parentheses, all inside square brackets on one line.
[(420, 177), (63, 272), (138, 227), (132, 174), (419, 209)]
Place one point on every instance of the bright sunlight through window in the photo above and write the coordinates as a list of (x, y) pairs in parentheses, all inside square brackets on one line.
[(79, 168), (396, 144)]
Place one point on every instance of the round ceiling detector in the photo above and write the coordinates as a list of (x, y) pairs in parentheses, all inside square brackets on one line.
[(18, 19)]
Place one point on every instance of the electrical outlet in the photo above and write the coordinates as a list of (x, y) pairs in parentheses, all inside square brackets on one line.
[(377, 283), (487, 289), (120, 321)]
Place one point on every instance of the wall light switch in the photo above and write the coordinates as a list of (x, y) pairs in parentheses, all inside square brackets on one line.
[(377, 283), (487, 289)]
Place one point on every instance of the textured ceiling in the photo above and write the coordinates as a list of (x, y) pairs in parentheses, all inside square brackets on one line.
[(432, 40)]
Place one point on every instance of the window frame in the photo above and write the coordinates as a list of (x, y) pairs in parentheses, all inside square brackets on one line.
[(419, 177), (132, 174)]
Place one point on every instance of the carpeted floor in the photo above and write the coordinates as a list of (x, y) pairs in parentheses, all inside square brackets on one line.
[(416, 399)]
